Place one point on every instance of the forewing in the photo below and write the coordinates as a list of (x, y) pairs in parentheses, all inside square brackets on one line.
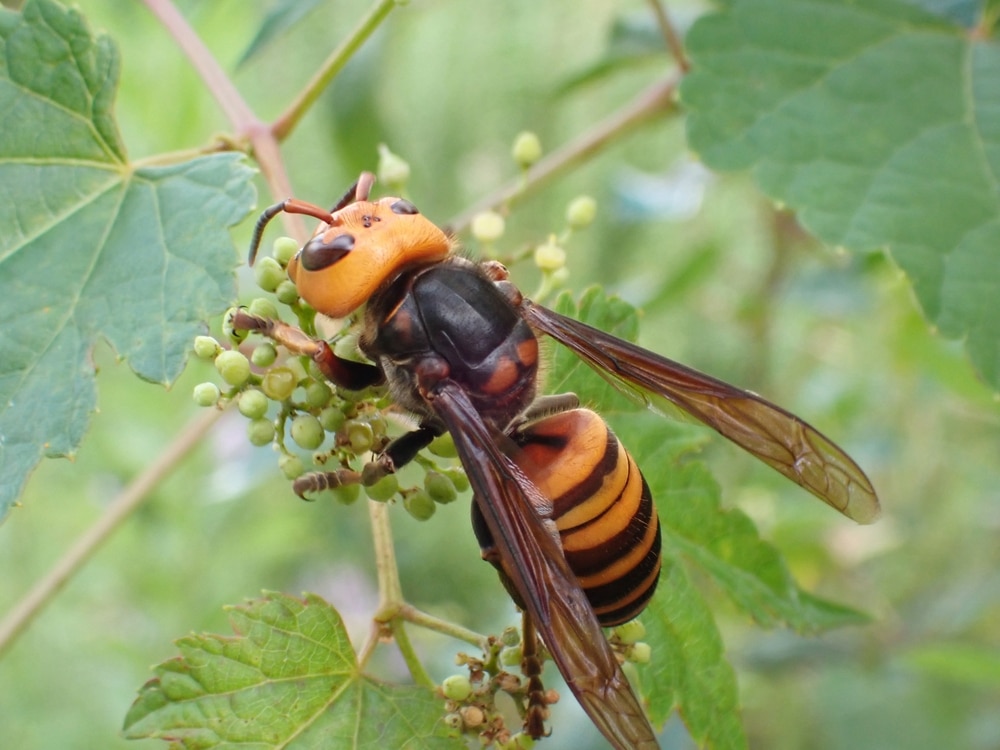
[(535, 563), (778, 438)]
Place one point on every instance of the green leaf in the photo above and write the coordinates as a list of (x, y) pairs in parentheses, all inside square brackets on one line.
[(689, 671), (567, 373), (91, 246), (282, 16), (879, 122), (961, 663), (289, 679)]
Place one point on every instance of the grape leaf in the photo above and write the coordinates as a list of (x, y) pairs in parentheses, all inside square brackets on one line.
[(92, 246), (689, 671), (288, 679), (879, 123)]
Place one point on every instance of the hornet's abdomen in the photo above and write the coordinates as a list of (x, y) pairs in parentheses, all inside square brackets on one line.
[(600, 506)]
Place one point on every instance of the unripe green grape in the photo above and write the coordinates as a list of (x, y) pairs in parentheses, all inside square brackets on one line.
[(439, 487), (206, 347), (549, 256), (262, 307), (253, 404), (360, 435), (233, 367), (444, 446), (511, 656), (453, 720), (457, 687), (510, 637), (487, 226), (287, 293), (278, 383), (206, 394), (268, 273), (307, 432), (640, 653), (458, 478), (284, 249), (332, 418), (260, 431), (419, 504), (378, 424), (527, 149), (581, 211), (264, 354), (317, 394), (630, 632), (384, 489), (291, 466), (347, 494)]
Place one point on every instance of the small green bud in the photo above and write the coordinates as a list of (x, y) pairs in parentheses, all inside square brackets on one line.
[(457, 687), (317, 394), (384, 489), (268, 273), (206, 394), (419, 504), (439, 487), (253, 404), (331, 418), (233, 367), (260, 431), (549, 256), (487, 226), (630, 632), (527, 149), (511, 656), (263, 308), (458, 478), (392, 170), (278, 383), (264, 354), (443, 446), (346, 494), (640, 653), (581, 211), (287, 293), (291, 466), (307, 432), (206, 347), (284, 249), (360, 435), (453, 720), (510, 637)]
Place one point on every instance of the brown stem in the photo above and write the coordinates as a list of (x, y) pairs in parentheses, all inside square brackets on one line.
[(670, 36)]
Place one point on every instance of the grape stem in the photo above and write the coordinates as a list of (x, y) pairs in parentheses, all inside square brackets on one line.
[(393, 611)]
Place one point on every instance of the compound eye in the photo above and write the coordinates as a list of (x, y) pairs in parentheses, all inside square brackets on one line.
[(403, 207), (317, 254)]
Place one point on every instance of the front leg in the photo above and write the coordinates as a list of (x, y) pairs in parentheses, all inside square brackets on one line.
[(394, 456), (346, 373)]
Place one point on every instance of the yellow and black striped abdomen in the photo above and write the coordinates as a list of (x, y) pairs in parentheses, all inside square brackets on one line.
[(601, 508)]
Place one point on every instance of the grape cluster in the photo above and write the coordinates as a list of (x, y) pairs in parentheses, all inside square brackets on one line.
[(312, 425)]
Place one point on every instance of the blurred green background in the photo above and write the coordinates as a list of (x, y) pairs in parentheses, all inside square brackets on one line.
[(726, 285)]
